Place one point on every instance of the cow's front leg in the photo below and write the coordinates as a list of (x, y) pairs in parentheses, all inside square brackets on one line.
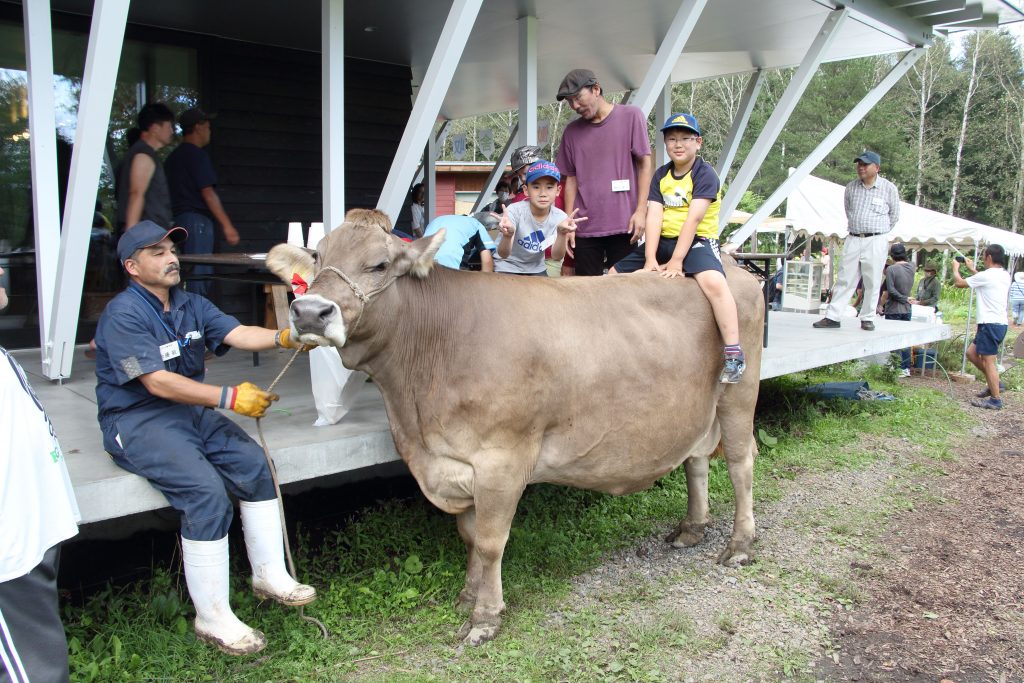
[(739, 455), (495, 508), (467, 530), (690, 531)]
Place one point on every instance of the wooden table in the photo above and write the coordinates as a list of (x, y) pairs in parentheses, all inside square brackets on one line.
[(275, 306)]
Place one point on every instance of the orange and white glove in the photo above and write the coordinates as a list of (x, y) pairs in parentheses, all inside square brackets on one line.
[(284, 340), (247, 399)]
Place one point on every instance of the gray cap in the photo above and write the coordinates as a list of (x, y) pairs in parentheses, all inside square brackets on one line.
[(574, 81)]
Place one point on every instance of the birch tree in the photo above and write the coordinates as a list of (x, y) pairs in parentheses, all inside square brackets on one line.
[(977, 72), (931, 84)]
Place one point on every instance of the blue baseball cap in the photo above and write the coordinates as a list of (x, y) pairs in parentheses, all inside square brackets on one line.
[(145, 234), (542, 169), (682, 120), (870, 158)]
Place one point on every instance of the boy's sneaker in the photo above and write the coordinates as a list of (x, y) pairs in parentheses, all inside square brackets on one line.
[(985, 393), (990, 403), (733, 370), (905, 372)]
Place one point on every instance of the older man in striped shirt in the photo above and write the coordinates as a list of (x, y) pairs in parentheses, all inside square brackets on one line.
[(872, 209)]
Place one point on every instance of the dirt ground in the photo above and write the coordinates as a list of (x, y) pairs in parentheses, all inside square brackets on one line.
[(949, 603), (843, 589)]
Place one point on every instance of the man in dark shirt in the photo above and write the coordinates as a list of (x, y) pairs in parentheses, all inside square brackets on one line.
[(142, 190), (899, 281), (196, 204)]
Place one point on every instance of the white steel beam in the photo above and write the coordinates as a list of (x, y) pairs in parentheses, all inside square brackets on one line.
[(936, 7), (450, 44), (879, 14), (668, 54), (527, 80), (662, 110), (106, 36), (841, 130), (43, 156), (739, 124), (439, 140), (430, 176), (332, 111), (499, 168), (777, 121), (966, 15)]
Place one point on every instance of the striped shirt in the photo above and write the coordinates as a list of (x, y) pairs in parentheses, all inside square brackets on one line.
[(871, 210)]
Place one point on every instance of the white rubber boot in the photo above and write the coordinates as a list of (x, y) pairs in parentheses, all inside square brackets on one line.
[(206, 574), (261, 525)]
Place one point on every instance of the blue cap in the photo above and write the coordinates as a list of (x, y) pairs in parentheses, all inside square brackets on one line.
[(682, 120), (145, 234), (870, 158), (542, 169)]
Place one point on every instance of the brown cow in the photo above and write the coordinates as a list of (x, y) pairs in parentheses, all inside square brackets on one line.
[(603, 383)]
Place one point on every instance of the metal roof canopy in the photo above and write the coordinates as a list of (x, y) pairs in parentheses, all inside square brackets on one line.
[(616, 39), (471, 57)]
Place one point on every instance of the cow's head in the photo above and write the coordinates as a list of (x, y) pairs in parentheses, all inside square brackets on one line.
[(352, 265)]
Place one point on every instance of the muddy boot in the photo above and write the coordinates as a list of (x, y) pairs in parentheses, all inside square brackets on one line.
[(206, 574), (261, 525)]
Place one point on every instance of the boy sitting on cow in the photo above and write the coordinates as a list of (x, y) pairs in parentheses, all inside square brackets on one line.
[(682, 232), (527, 228)]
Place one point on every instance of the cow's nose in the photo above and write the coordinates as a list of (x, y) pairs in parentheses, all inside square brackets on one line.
[(311, 314)]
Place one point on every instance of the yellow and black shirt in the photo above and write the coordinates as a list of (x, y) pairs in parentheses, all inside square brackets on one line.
[(675, 194)]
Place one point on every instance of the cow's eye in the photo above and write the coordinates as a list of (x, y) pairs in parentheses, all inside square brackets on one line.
[(380, 267)]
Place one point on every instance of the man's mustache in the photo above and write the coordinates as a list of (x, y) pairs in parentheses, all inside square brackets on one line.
[(172, 269)]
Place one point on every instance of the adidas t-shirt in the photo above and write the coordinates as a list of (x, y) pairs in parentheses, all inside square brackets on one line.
[(531, 239)]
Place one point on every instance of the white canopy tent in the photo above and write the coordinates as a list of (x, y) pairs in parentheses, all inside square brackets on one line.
[(816, 208)]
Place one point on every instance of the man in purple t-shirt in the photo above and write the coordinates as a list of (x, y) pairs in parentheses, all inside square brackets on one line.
[(605, 159)]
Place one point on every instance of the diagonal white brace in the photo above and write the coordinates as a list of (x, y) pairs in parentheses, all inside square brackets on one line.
[(777, 121), (45, 197), (450, 44), (841, 130), (106, 36), (739, 124), (671, 47)]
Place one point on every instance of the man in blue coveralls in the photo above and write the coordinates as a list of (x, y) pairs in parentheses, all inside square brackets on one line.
[(156, 416)]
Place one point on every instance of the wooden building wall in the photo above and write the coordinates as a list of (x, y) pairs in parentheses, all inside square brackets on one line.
[(266, 143)]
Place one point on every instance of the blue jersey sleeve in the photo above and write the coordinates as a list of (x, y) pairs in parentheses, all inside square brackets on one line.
[(654, 194), (705, 182)]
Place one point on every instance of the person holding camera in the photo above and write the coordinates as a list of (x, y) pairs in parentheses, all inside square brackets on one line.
[(992, 286)]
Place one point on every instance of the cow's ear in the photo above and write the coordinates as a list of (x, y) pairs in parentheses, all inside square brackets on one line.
[(286, 261), (417, 257)]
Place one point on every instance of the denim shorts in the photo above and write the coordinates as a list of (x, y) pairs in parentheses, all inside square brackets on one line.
[(988, 338)]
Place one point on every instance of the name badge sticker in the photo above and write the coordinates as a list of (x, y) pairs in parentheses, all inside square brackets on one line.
[(620, 185), (169, 351), (877, 201)]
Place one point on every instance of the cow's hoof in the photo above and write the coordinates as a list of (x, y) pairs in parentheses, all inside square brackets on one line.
[(477, 634), (736, 554), (465, 603), (685, 536)]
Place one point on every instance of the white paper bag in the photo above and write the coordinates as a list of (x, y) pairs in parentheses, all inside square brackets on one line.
[(334, 386)]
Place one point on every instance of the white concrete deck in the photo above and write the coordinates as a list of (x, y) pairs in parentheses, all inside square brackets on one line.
[(362, 439)]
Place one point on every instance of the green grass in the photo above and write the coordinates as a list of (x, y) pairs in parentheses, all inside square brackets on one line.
[(388, 577)]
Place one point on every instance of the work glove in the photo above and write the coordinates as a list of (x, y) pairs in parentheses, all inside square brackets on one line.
[(285, 341), (247, 399)]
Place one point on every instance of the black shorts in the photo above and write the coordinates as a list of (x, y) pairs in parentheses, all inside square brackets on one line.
[(594, 254), (703, 255)]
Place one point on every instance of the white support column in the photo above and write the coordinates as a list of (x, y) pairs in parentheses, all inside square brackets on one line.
[(841, 130), (106, 37), (499, 168), (443, 63), (527, 80), (739, 124), (332, 110), (439, 140), (668, 54), (42, 142), (783, 110), (662, 110), (430, 176)]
